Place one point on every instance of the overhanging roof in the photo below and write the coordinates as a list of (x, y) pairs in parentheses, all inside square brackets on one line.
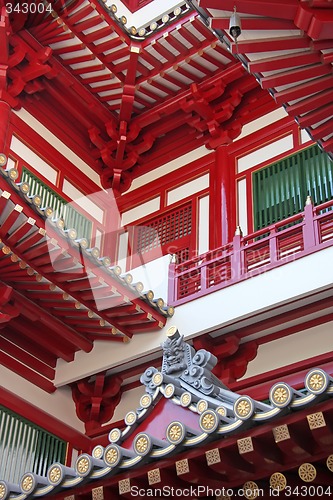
[(288, 46), (54, 283), (189, 427)]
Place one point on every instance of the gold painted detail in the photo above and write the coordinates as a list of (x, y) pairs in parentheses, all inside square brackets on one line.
[(316, 381), (154, 476), (145, 401), (82, 465), (251, 490), (27, 483), (329, 463), (221, 410), (97, 493), (55, 474), (245, 445), (111, 455), (223, 497), (114, 435), (316, 420), (213, 456), (98, 451), (3, 490), (208, 421), (307, 472), (243, 408), (142, 444), (169, 390), (202, 405), (182, 467), (124, 486), (280, 395), (278, 481), (3, 161), (185, 399), (130, 418), (281, 433), (175, 432), (158, 378)]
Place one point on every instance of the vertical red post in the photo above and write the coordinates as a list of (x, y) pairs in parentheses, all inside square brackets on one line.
[(5, 111), (222, 199)]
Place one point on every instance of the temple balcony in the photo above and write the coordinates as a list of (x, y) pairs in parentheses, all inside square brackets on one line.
[(248, 256)]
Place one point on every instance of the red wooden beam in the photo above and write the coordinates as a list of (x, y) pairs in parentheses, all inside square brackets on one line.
[(25, 372), (254, 23), (31, 347), (269, 44), (26, 358), (296, 75), (304, 89), (310, 103), (283, 62), (280, 9)]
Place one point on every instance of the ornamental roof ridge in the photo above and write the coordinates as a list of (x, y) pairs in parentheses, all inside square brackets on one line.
[(218, 416)]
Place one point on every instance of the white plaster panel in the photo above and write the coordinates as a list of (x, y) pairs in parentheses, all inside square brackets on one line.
[(130, 401), (78, 163), (154, 276), (83, 201), (33, 159), (262, 122), (122, 250), (234, 303), (305, 137), (187, 189), (242, 207), (142, 210), (291, 349), (59, 404), (169, 167), (203, 227), (265, 153)]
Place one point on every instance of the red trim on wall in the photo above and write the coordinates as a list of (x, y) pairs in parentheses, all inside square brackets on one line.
[(52, 156), (44, 420)]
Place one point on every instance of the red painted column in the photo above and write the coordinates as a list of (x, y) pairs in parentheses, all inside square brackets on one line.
[(5, 112), (222, 200)]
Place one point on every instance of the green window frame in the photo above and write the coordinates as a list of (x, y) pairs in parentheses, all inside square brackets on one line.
[(26, 447), (280, 189), (61, 207)]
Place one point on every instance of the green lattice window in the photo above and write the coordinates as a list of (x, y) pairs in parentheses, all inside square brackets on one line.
[(26, 447), (280, 189), (61, 207)]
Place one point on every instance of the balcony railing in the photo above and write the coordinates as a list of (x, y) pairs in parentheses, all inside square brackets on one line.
[(248, 256)]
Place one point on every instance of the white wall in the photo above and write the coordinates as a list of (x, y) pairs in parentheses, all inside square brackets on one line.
[(58, 145), (59, 404), (276, 287), (291, 349)]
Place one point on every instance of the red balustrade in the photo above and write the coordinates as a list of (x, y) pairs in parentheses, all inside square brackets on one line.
[(248, 256)]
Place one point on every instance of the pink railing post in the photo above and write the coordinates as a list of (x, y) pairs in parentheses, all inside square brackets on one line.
[(236, 256), (172, 281), (309, 239), (273, 250)]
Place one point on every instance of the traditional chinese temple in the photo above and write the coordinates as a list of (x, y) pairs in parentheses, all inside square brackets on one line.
[(166, 246)]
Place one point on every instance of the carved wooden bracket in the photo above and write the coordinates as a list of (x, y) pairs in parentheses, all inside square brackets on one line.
[(96, 400)]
